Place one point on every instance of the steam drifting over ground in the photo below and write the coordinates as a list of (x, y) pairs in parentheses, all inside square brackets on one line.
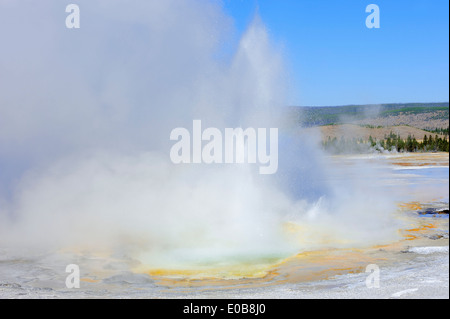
[(85, 119)]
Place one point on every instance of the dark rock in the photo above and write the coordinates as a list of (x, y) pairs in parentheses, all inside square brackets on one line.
[(8, 285), (433, 211), (435, 237)]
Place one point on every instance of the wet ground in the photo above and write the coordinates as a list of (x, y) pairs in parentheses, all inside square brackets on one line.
[(414, 266)]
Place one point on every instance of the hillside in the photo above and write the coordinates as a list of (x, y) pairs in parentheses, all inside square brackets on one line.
[(362, 128), (419, 115)]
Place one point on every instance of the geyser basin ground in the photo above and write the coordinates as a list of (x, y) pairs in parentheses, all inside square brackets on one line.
[(415, 265)]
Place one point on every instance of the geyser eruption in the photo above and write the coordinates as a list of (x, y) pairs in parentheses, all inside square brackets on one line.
[(85, 120)]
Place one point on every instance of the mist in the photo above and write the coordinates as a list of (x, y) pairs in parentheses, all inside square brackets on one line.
[(85, 120)]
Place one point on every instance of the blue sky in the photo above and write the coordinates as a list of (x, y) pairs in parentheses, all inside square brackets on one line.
[(335, 59)]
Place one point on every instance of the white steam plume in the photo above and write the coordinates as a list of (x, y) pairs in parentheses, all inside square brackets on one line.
[(85, 119)]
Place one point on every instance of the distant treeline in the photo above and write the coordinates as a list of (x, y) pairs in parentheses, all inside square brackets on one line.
[(441, 131), (391, 142)]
